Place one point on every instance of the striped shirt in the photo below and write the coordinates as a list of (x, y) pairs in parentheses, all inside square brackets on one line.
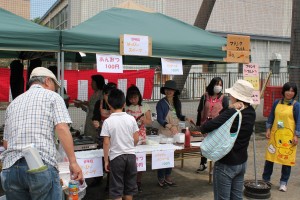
[(31, 119)]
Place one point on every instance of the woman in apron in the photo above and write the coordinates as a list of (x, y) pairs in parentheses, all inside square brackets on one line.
[(283, 130), (168, 115), (142, 113)]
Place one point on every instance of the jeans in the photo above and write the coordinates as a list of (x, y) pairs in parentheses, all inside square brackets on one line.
[(228, 181), (268, 170), (19, 184), (162, 173)]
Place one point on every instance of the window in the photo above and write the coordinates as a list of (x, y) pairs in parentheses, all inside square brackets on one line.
[(275, 66)]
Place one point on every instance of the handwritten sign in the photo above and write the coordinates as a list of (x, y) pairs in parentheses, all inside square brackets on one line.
[(162, 159), (141, 161), (238, 42), (109, 63), (171, 66), (137, 45), (91, 167), (238, 49), (250, 69), (238, 56), (256, 97), (254, 80)]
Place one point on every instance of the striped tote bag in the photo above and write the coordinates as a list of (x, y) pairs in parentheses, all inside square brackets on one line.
[(219, 142)]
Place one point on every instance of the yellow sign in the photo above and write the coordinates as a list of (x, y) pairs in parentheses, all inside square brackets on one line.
[(238, 56), (254, 80), (238, 43)]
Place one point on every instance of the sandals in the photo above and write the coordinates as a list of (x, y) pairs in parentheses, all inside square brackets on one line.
[(170, 183), (162, 184)]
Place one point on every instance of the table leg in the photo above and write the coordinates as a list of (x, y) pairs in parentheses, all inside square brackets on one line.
[(182, 160), (210, 168)]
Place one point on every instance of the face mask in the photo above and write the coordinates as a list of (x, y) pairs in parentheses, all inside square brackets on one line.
[(217, 89)]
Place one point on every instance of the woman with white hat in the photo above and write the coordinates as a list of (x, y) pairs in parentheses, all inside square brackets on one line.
[(168, 116), (228, 175)]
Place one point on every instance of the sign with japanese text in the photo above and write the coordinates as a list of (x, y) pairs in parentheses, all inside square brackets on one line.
[(254, 80), (238, 49), (141, 161), (251, 74), (238, 43), (256, 97), (171, 66), (162, 159), (137, 45), (91, 167), (109, 63), (250, 69), (238, 56)]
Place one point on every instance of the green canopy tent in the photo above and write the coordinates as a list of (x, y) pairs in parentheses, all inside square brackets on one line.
[(19, 34), (171, 38)]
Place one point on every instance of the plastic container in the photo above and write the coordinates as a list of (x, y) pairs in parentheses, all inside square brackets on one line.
[(166, 140), (33, 158), (179, 138), (152, 139)]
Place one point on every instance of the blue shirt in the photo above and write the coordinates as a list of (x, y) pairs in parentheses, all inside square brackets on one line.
[(296, 113)]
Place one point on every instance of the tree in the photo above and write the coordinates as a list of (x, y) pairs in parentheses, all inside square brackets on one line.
[(294, 72), (37, 20), (201, 22)]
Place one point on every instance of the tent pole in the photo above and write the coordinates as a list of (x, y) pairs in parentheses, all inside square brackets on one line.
[(62, 72), (58, 69)]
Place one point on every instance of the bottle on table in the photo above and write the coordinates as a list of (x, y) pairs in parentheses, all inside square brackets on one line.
[(187, 139)]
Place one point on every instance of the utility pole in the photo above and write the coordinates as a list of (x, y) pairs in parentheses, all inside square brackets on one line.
[(294, 72), (201, 22)]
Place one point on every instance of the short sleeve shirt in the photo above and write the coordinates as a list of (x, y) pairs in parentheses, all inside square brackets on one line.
[(120, 127), (31, 119)]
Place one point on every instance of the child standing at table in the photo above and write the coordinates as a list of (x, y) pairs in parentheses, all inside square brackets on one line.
[(120, 132), (142, 113)]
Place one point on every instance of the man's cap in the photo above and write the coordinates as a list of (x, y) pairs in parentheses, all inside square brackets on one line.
[(42, 71)]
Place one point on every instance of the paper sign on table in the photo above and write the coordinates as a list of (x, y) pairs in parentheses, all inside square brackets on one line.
[(109, 63), (141, 161), (162, 159), (91, 167), (171, 66)]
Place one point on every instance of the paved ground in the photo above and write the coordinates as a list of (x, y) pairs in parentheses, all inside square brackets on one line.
[(195, 186)]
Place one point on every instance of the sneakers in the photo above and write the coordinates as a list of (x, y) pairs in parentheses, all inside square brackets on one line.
[(201, 168), (283, 188)]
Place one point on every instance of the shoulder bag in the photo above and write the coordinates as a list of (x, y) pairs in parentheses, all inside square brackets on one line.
[(219, 142)]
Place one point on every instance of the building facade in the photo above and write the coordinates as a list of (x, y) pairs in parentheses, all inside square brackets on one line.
[(18, 7), (268, 23)]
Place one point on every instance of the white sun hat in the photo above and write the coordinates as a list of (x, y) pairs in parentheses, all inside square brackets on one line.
[(241, 90)]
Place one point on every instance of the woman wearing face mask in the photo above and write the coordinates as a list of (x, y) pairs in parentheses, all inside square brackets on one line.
[(211, 103)]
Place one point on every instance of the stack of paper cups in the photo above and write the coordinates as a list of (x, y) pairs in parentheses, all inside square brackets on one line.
[(32, 157)]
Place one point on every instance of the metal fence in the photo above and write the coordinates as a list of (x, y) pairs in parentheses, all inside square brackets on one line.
[(196, 83)]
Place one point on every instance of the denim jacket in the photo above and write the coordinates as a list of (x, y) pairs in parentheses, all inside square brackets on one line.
[(296, 113)]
